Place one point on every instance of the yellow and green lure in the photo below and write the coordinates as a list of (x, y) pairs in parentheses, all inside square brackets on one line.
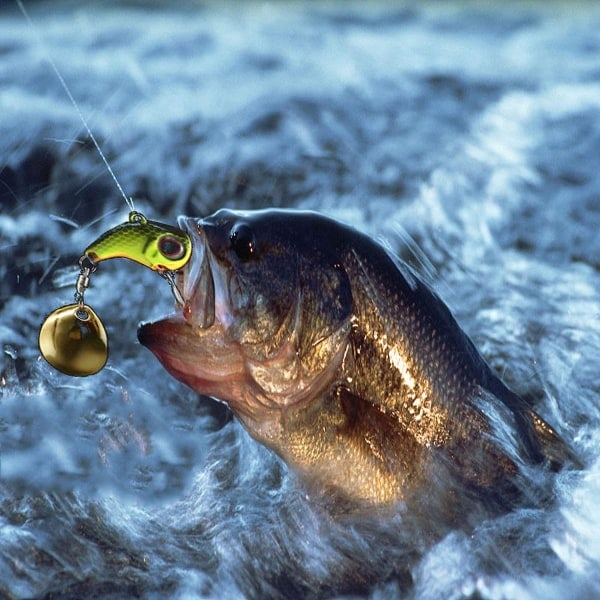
[(155, 245), (72, 338)]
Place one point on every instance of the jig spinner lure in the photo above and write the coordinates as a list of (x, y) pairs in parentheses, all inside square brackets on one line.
[(73, 338)]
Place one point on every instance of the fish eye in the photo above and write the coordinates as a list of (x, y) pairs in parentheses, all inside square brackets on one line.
[(171, 247), (242, 241)]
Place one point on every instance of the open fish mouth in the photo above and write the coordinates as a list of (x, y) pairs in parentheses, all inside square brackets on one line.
[(195, 281), (192, 343)]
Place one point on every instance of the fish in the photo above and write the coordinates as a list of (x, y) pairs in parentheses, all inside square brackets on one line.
[(337, 356)]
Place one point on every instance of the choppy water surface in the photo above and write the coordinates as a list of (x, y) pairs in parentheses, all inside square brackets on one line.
[(467, 135)]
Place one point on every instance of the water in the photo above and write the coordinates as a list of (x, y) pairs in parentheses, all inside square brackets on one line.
[(467, 136)]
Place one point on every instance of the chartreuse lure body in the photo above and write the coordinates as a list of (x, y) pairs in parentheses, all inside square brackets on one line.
[(73, 338), (155, 245)]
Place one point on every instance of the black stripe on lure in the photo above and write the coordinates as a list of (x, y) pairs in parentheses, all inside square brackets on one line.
[(72, 338)]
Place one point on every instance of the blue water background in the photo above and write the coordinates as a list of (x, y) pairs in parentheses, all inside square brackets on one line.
[(465, 135)]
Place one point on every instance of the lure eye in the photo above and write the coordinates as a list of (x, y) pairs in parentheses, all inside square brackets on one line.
[(171, 247), (243, 242)]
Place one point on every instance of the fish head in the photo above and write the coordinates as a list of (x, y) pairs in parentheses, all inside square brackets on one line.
[(265, 313)]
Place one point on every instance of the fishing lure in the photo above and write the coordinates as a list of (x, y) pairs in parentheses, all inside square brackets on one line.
[(73, 338), (155, 245)]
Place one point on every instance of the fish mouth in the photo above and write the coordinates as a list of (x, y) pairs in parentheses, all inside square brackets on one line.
[(192, 343), (200, 358), (195, 281)]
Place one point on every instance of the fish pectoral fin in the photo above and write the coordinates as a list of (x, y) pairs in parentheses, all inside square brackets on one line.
[(375, 433), (553, 447)]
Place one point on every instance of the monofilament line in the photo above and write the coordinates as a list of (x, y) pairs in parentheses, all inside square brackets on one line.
[(49, 58)]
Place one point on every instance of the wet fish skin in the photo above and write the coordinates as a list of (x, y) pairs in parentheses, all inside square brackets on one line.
[(335, 355)]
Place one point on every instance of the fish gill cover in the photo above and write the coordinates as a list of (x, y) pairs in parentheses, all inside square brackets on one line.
[(466, 135)]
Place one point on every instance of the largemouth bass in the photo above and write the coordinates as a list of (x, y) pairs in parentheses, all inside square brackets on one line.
[(336, 356)]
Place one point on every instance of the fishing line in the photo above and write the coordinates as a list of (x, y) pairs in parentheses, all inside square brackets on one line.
[(48, 56), (73, 338)]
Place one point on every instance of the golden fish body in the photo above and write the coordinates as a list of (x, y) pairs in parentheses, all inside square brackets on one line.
[(341, 360)]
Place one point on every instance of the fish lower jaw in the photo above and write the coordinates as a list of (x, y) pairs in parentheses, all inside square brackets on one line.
[(218, 383), (231, 389), (202, 358)]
